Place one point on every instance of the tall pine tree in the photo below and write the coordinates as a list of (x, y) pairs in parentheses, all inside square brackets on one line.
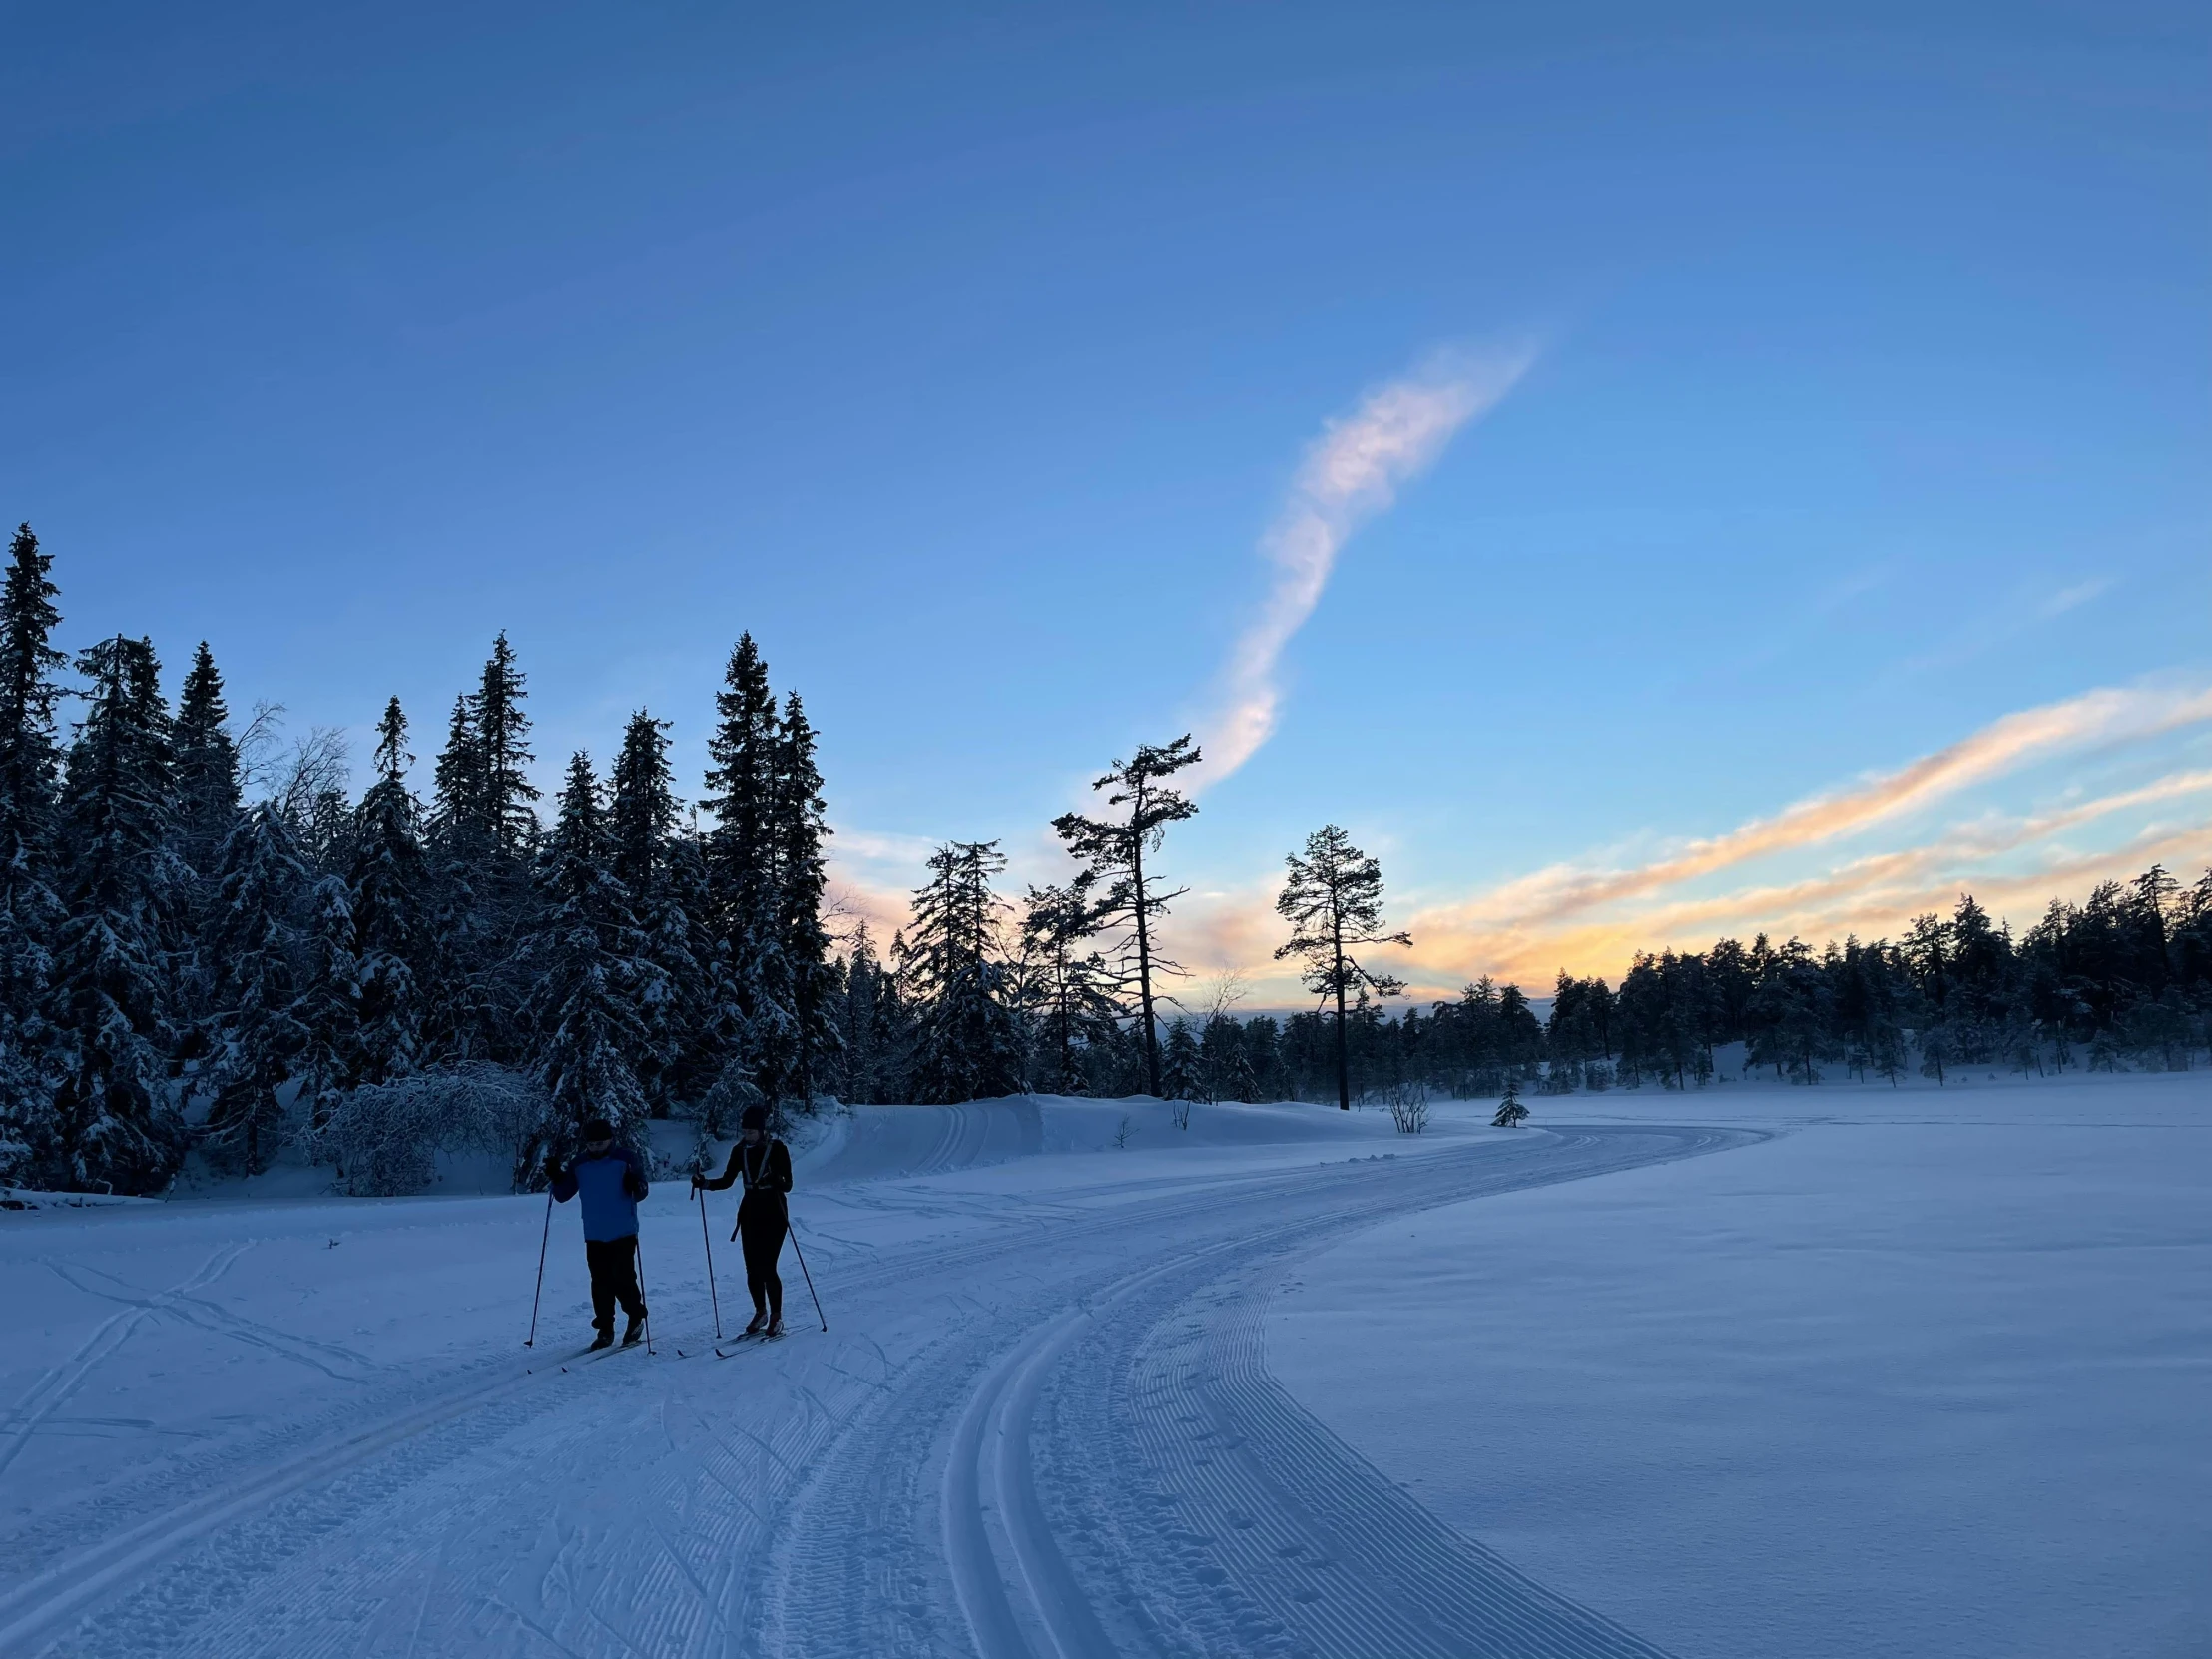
[(330, 1003), (1113, 850), (388, 885), (206, 766), (591, 972), (658, 875), (1333, 900), (503, 754), (968, 1044), (30, 908), (127, 896), (1069, 988), (801, 883), (740, 857), (870, 1025), (251, 938)]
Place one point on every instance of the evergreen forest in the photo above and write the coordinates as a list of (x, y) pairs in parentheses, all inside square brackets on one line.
[(211, 946)]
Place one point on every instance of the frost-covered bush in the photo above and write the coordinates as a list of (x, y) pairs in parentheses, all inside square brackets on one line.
[(386, 1138), (725, 1103), (1409, 1104)]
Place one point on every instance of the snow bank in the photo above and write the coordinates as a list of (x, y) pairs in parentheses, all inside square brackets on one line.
[(1927, 1374)]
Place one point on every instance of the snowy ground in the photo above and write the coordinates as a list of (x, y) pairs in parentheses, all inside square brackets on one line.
[(1928, 1374), (1046, 1418)]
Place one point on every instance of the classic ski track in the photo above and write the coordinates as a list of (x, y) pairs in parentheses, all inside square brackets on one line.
[(815, 1535), (1080, 1564)]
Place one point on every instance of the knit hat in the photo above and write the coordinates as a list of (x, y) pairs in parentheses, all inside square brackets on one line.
[(596, 1129), (753, 1117)]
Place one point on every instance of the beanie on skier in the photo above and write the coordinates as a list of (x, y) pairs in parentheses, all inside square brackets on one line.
[(753, 1117), (596, 1129)]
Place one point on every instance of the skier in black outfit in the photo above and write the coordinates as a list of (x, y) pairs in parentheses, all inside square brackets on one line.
[(763, 1164)]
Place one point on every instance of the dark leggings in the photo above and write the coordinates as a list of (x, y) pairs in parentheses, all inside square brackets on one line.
[(763, 1242)]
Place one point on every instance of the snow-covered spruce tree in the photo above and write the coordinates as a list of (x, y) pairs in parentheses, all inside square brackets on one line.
[(1510, 1112), (126, 895), (206, 766), (204, 772), (251, 943), (330, 1004), (388, 887), (1333, 900), (1926, 956), (711, 1025), (968, 1039), (870, 1025), (590, 971), (1182, 1066), (484, 832), (483, 777), (464, 939), (1070, 990), (659, 869), (30, 908), (801, 883), (741, 858), (1113, 850), (505, 888)]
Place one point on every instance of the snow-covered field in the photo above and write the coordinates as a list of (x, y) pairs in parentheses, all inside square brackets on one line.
[(1283, 1384), (1929, 1373)]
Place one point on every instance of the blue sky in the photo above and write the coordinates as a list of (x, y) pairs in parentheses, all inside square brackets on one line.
[(1831, 388)]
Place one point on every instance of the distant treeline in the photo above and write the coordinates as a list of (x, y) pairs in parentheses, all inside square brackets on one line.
[(2124, 979)]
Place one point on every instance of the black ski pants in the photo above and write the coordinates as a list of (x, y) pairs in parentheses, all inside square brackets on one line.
[(614, 1277), (763, 1236)]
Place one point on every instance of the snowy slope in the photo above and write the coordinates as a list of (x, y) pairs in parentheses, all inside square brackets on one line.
[(1043, 1419), (1927, 1374), (1036, 1423)]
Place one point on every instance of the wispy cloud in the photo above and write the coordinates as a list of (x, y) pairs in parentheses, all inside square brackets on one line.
[(1352, 473), (2065, 599), (2107, 715), (1863, 858)]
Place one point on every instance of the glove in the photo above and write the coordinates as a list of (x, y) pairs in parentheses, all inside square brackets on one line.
[(698, 1180), (552, 1171)]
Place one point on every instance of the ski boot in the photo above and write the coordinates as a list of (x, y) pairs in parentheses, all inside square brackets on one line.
[(635, 1329), (759, 1325), (604, 1338)]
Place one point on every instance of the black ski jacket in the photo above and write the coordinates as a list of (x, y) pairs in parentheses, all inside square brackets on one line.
[(766, 1171)]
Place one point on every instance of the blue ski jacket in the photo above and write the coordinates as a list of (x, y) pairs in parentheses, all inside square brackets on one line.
[(611, 1184)]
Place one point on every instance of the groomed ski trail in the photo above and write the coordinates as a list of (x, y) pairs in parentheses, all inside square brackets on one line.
[(1116, 1474), (1052, 1436)]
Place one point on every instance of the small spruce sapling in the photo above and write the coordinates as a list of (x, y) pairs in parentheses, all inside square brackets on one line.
[(1510, 1112)]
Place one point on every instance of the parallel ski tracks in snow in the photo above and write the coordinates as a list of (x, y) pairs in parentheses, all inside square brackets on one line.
[(1054, 1439), (1122, 1476)]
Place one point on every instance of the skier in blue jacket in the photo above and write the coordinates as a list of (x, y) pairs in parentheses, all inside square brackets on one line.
[(611, 1182)]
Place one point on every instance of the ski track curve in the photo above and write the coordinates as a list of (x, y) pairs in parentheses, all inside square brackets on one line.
[(1079, 1452)]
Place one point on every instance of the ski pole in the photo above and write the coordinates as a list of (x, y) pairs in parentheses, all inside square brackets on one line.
[(809, 1278), (637, 1257), (532, 1340), (701, 1198)]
